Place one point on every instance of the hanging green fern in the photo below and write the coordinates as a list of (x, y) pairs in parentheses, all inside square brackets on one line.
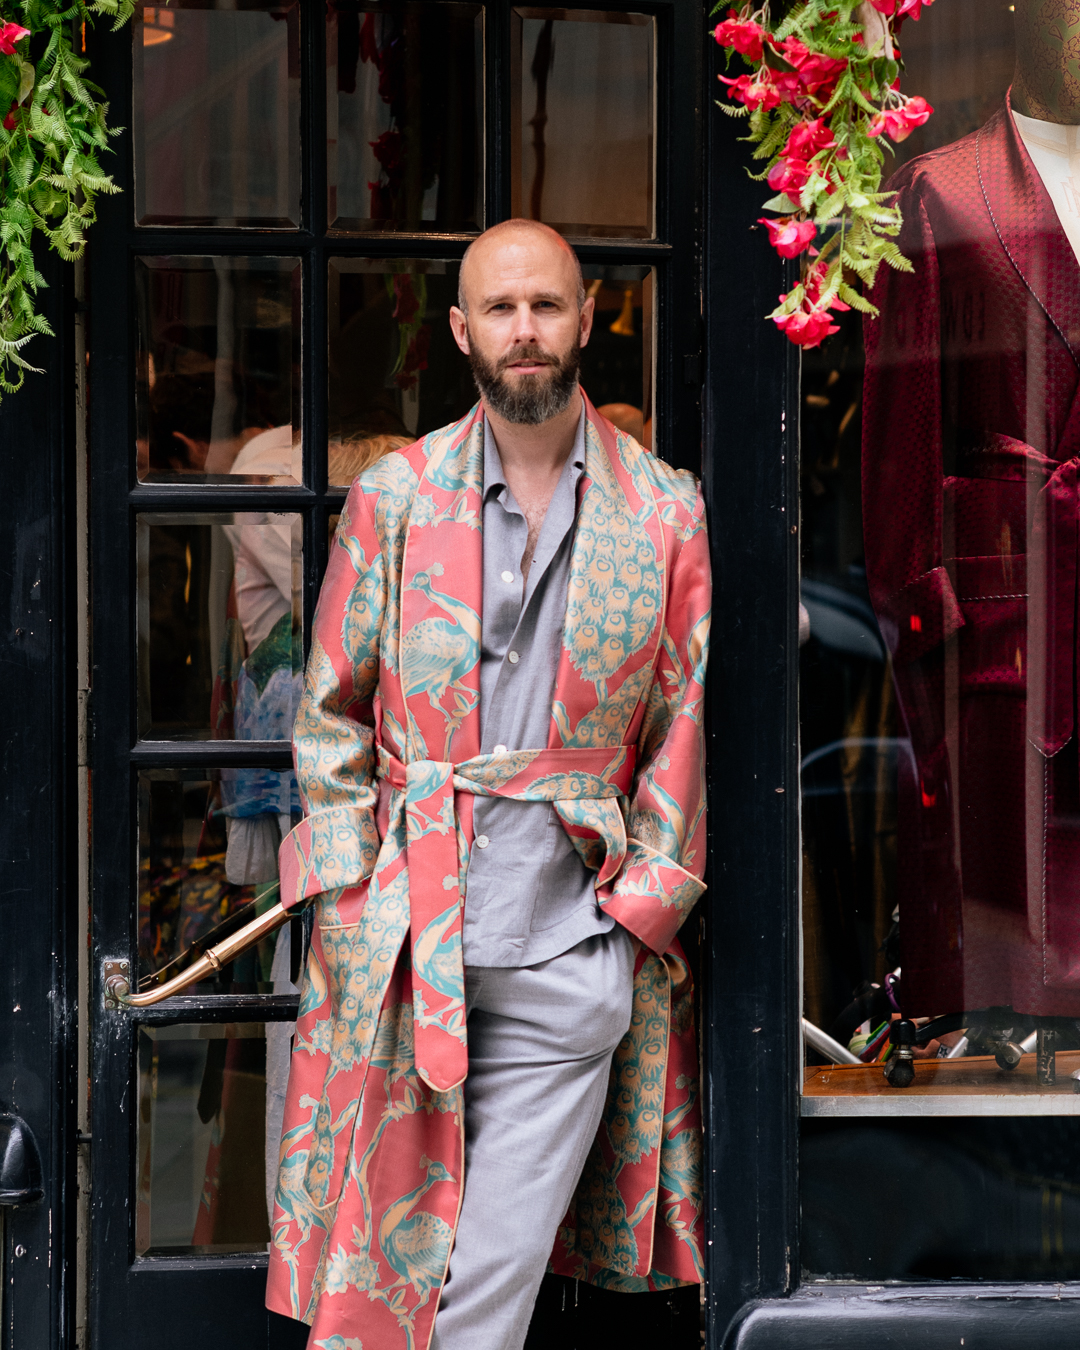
[(52, 133)]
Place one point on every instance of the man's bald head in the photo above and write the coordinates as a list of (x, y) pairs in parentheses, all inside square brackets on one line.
[(515, 235)]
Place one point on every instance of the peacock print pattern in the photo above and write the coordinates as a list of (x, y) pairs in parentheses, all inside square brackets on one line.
[(387, 749)]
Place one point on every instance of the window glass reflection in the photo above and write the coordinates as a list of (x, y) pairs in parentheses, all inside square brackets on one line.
[(217, 395), (578, 68), (217, 113), (220, 642), (209, 1124), (208, 843), (617, 362), (405, 116), (395, 372)]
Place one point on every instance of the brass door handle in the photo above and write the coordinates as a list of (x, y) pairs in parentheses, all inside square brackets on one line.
[(117, 985)]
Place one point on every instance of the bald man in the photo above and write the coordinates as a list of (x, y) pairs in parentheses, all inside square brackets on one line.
[(501, 726)]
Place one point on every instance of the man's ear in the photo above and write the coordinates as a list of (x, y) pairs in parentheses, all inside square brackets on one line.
[(459, 326), (586, 320)]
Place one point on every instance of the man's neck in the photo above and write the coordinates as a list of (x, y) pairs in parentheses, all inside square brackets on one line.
[(537, 453)]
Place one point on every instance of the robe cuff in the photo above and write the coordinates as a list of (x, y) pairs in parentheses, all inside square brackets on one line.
[(921, 616), (329, 849), (652, 896)]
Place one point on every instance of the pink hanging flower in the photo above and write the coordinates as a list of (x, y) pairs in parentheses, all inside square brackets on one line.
[(809, 138), (789, 236), (12, 118), (746, 36), (817, 75), (755, 91), (789, 175), (901, 9), (807, 328), (899, 123), (10, 33)]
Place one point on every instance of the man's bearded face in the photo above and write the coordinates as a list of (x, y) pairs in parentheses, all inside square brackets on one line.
[(528, 399)]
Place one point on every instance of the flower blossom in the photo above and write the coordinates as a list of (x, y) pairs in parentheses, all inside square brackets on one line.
[(10, 33), (807, 328), (812, 322), (746, 36), (755, 91), (789, 174), (901, 9), (817, 75), (899, 123), (789, 236), (809, 138), (12, 118)]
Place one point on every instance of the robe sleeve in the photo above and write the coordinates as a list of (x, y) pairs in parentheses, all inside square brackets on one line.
[(912, 593), (336, 844), (660, 879)]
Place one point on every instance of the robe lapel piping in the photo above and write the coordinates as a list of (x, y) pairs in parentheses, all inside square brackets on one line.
[(1011, 239)]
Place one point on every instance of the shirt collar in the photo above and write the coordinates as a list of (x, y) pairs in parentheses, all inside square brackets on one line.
[(495, 485)]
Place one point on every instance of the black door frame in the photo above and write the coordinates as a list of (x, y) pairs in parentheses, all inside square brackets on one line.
[(38, 824), (122, 1290)]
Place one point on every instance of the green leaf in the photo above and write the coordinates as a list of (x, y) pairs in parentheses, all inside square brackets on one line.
[(782, 205), (27, 75)]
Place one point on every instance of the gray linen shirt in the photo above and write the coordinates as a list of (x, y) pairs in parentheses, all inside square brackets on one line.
[(528, 895)]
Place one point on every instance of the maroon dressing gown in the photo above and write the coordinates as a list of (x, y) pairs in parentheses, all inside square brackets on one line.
[(971, 491)]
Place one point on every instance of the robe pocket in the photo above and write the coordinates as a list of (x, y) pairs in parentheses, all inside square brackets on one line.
[(992, 593)]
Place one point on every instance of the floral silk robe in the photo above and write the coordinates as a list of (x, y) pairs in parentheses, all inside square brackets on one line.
[(387, 744)]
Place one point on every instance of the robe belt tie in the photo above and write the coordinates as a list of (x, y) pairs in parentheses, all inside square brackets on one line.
[(433, 849)]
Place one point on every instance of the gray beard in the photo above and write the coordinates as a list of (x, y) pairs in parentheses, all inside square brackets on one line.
[(531, 399)]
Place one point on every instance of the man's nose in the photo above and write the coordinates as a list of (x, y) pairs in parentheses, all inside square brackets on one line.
[(524, 326)]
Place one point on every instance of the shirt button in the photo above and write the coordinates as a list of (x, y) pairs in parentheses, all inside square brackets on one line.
[(482, 841), (508, 577), (513, 658), (499, 750)]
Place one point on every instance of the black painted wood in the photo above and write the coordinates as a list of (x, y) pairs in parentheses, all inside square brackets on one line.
[(984, 1317), (38, 882), (751, 1019)]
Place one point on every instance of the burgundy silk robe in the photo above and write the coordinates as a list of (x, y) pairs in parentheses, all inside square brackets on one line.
[(387, 748), (970, 492)]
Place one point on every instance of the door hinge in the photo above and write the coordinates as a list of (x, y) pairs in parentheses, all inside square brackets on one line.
[(84, 727)]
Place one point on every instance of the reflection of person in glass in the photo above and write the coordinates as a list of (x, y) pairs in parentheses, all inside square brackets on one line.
[(499, 751), (972, 512)]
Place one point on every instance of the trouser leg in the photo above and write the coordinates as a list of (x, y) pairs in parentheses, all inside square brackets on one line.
[(540, 1046)]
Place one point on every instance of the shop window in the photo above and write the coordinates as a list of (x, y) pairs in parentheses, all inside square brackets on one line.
[(940, 780)]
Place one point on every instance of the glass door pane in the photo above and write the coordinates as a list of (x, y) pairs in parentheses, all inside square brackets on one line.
[(405, 116), (576, 69), (217, 113), (217, 370)]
